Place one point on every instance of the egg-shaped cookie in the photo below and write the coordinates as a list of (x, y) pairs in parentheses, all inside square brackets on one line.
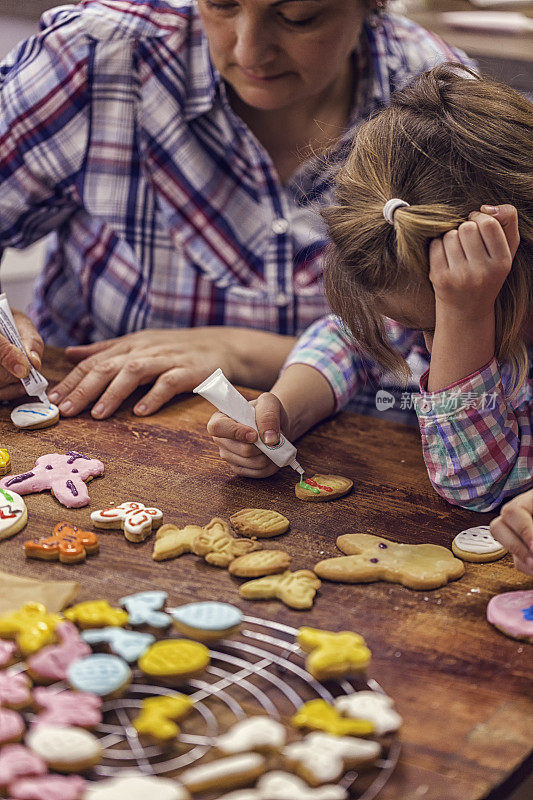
[(320, 488)]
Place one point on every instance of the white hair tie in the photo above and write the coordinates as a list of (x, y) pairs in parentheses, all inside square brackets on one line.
[(390, 207)]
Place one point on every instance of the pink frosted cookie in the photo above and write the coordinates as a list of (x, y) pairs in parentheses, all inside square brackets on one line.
[(52, 662), (64, 475), (67, 708), (16, 761), (512, 613), (7, 651), (15, 690), (49, 787), (11, 726)]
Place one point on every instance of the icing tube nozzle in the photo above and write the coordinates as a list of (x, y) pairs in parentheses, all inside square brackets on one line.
[(34, 383), (224, 396)]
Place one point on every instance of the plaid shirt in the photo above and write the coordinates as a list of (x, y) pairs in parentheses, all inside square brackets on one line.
[(116, 135), (476, 439)]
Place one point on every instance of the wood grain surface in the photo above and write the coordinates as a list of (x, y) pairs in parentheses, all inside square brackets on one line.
[(463, 688)]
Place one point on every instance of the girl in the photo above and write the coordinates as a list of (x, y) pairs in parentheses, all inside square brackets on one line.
[(413, 262)]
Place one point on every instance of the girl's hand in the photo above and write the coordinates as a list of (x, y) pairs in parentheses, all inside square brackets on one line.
[(14, 363), (236, 441), (514, 530), (469, 265)]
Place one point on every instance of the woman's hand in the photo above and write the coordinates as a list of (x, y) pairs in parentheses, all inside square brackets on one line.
[(235, 441), (15, 364), (514, 530)]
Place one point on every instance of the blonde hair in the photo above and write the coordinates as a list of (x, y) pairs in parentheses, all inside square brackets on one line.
[(449, 142)]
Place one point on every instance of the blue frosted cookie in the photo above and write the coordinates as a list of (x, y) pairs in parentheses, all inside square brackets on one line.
[(129, 645), (102, 674), (144, 609), (208, 620)]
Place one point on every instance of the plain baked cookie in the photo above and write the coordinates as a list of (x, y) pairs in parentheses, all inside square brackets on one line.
[(322, 487), (32, 416), (259, 522), (259, 563), (477, 545)]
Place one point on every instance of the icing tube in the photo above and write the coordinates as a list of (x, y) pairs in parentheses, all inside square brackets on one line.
[(35, 384), (224, 396)]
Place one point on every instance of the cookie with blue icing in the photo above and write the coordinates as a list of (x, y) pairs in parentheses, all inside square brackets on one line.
[(102, 674), (32, 416), (207, 620), (144, 608), (129, 645)]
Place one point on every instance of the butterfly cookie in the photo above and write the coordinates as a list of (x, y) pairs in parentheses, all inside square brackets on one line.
[(135, 519)]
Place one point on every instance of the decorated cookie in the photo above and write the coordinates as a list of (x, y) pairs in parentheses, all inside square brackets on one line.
[(31, 626), (319, 715), (51, 663), (129, 645), (259, 522), (224, 773), (321, 758), (17, 761), (7, 652), (136, 520), (144, 608), (136, 787), (333, 655), (207, 620), (49, 787), (102, 674), (65, 749), (83, 709), (322, 487), (371, 558), (12, 726), (158, 715), (295, 589), (262, 562), (13, 513), (96, 614), (15, 690), (512, 614), (253, 733), (172, 542), (477, 545), (373, 706), (5, 461), (68, 544), (174, 659), (280, 785), (32, 416), (64, 475), (218, 547)]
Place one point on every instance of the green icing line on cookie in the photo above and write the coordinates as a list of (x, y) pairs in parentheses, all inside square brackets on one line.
[(8, 497), (306, 486)]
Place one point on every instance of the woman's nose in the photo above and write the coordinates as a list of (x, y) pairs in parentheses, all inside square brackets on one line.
[(254, 45)]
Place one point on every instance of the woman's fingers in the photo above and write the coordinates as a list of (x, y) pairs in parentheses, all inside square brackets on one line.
[(508, 539)]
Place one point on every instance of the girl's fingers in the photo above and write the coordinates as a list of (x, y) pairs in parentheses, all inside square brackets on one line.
[(268, 418), (223, 427), (240, 449), (455, 254), (507, 216), (493, 237), (508, 539), (255, 463), (472, 243), (520, 521)]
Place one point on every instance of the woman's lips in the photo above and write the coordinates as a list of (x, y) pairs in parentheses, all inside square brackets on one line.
[(261, 78)]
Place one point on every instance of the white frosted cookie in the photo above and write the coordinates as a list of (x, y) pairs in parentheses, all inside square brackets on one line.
[(63, 748), (35, 415), (13, 513), (224, 773), (254, 733), (280, 785), (321, 758), (477, 545), (372, 706), (136, 787)]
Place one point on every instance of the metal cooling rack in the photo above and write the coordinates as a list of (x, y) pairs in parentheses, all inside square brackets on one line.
[(261, 669)]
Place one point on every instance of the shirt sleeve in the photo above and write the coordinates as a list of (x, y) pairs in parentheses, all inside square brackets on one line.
[(476, 438), (44, 123), (327, 346)]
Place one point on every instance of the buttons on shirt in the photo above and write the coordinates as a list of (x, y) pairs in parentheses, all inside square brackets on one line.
[(282, 299), (280, 226)]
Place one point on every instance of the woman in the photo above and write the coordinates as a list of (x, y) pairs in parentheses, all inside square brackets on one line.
[(175, 150)]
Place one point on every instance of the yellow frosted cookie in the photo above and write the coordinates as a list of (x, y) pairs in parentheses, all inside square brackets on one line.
[(172, 542), (96, 614), (259, 522), (157, 716), (322, 487), (333, 655), (5, 461), (218, 547), (31, 626), (174, 659), (295, 589), (319, 715), (262, 562)]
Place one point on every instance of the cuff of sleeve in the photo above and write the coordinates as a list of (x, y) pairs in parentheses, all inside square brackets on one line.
[(340, 386), (479, 391)]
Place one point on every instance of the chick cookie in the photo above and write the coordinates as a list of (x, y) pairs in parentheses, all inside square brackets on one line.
[(320, 488), (477, 545)]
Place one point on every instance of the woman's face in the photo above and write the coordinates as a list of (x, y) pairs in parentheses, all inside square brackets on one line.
[(276, 53)]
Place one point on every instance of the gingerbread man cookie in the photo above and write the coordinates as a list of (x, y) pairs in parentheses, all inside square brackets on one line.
[(13, 513), (295, 589), (371, 558), (319, 715), (333, 655), (31, 626), (172, 542), (68, 544), (218, 547), (158, 715), (51, 663), (320, 488), (477, 545), (64, 475), (512, 614), (136, 520)]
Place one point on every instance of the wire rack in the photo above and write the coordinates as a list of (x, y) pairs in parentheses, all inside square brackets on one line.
[(260, 670)]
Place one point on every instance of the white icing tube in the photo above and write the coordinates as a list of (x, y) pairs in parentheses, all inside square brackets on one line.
[(34, 383), (224, 396)]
